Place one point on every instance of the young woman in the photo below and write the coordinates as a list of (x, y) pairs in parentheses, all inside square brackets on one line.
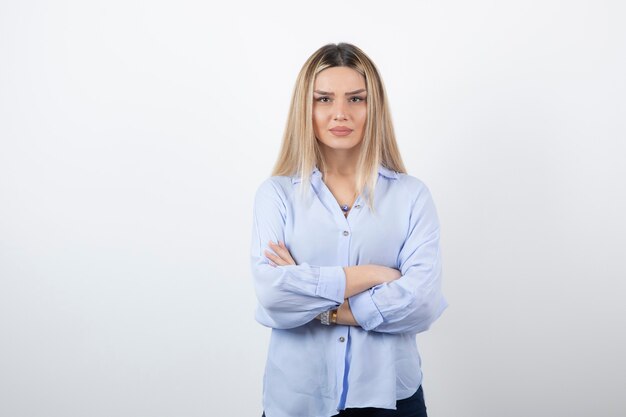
[(345, 252)]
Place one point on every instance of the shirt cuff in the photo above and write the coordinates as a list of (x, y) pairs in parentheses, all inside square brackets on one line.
[(364, 310), (332, 283)]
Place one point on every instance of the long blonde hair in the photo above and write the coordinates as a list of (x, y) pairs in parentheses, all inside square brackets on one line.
[(300, 150)]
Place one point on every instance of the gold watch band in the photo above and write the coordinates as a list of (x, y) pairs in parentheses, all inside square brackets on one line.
[(333, 316)]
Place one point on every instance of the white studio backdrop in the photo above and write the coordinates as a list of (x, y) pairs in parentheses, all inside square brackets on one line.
[(134, 134)]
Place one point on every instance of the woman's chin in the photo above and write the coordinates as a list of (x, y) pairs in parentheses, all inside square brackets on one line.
[(340, 144)]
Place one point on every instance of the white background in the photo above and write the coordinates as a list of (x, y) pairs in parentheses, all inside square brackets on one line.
[(133, 135)]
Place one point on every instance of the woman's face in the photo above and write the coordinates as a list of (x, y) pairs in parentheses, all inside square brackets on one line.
[(339, 107)]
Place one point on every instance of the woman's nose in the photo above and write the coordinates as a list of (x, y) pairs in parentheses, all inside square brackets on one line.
[(339, 110)]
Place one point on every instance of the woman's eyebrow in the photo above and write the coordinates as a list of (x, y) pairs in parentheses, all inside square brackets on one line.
[(332, 94)]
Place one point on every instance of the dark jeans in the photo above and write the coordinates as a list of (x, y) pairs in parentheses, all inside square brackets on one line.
[(413, 406)]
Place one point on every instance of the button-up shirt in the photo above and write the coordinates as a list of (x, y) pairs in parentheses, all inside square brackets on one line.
[(315, 370)]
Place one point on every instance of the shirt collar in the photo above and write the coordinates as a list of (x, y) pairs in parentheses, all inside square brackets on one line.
[(382, 170)]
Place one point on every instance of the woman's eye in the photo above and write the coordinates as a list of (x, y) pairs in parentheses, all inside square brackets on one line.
[(321, 99), (358, 99)]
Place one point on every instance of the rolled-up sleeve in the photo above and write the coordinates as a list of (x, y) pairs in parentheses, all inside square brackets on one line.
[(288, 295), (413, 302)]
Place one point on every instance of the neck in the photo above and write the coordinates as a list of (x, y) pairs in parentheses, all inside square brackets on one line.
[(340, 162)]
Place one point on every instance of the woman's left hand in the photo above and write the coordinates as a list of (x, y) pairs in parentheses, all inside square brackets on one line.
[(281, 255)]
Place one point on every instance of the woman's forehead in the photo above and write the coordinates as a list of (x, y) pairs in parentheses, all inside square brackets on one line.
[(339, 78)]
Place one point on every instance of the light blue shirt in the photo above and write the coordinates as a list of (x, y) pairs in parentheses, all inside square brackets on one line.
[(314, 370)]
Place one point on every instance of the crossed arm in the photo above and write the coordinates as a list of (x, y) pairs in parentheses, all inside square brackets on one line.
[(376, 298), (359, 278)]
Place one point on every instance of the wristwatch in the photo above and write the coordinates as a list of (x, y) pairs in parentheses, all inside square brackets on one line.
[(329, 317)]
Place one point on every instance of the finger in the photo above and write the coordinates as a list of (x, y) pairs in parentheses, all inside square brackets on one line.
[(279, 255), (277, 259), (282, 246), (283, 252), (272, 258)]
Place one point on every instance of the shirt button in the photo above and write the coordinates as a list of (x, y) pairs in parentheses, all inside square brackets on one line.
[(357, 206), (346, 233), (342, 339)]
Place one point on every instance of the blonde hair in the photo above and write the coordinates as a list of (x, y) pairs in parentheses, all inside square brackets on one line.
[(300, 150)]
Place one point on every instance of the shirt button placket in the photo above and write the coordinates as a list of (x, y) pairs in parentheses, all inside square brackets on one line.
[(343, 331)]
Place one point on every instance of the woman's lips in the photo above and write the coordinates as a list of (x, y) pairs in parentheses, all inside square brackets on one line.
[(337, 131)]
